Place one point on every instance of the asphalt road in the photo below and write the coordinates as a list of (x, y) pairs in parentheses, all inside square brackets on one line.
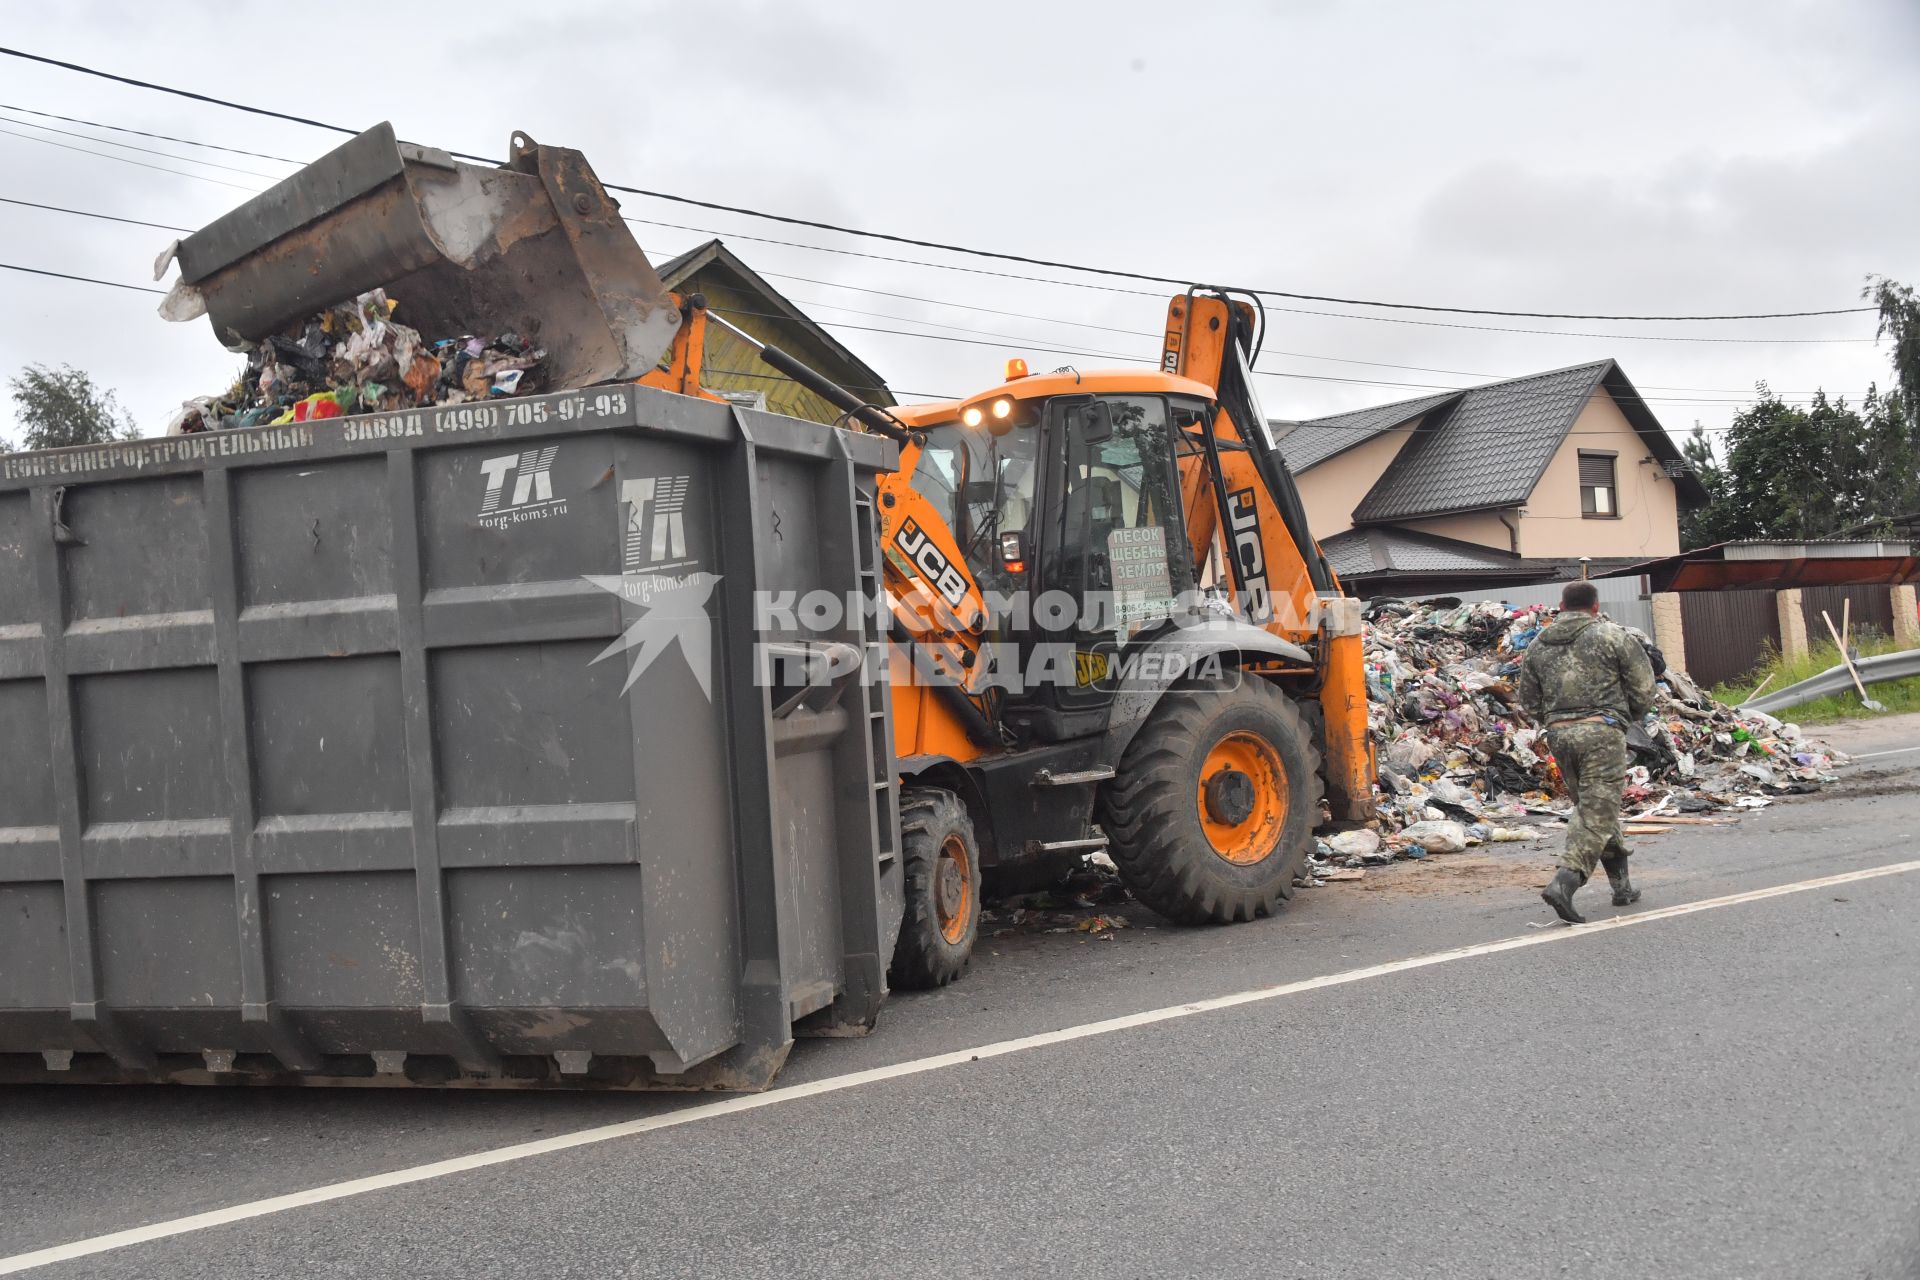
[(1725, 1092)]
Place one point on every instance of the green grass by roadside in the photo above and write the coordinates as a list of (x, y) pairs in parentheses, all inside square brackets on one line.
[(1898, 695)]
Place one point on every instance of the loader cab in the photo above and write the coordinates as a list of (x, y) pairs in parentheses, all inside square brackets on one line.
[(1069, 509)]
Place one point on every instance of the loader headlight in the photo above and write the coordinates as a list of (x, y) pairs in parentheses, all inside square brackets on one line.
[(972, 416), (1003, 408)]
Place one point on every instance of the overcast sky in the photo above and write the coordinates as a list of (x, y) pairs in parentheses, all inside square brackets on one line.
[(1754, 155)]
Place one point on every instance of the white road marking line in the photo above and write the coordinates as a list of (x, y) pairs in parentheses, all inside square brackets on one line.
[(852, 1080), (1871, 755)]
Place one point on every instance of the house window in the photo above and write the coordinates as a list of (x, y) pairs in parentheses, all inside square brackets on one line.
[(1599, 489)]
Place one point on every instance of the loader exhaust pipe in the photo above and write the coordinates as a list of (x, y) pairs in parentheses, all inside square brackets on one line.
[(535, 247)]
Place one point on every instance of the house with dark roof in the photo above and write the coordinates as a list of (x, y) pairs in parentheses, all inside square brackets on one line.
[(1498, 485), (741, 296)]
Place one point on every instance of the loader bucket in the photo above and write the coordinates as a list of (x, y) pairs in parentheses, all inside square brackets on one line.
[(536, 247)]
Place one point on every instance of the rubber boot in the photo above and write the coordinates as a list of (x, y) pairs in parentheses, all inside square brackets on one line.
[(1559, 895), (1624, 894)]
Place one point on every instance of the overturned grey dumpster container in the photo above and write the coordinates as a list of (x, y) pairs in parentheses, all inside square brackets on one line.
[(440, 748)]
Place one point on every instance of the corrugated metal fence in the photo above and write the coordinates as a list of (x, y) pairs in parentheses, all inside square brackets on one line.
[(1872, 609), (1728, 632), (1622, 599)]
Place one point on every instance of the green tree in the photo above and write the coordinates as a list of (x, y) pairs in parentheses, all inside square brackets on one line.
[(1893, 421), (1828, 469), (1900, 321), (62, 407), (1707, 524)]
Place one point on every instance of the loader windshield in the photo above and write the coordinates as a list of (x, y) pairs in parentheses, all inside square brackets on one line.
[(983, 485)]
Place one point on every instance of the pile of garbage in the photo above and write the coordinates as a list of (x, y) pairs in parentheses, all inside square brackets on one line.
[(356, 358), (1461, 763)]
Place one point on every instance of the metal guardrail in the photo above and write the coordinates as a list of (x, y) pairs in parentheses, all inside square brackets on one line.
[(1887, 666)]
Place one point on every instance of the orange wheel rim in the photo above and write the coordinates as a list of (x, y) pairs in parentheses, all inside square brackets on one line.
[(1242, 798), (953, 889)]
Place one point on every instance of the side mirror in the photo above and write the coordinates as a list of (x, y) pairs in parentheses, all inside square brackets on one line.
[(1093, 420)]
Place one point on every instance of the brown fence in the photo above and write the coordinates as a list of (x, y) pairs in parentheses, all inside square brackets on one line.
[(1872, 610), (1728, 632)]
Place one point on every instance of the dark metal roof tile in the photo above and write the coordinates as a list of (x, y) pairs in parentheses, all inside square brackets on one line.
[(1309, 443), (1488, 451)]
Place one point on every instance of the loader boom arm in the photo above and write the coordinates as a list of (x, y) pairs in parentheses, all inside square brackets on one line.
[(1280, 578)]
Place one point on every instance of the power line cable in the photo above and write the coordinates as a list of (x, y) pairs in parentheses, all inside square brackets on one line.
[(87, 213), (1021, 345), (167, 88), (152, 151), (1013, 343), (944, 247), (938, 302), (107, 155), (1296, 355), (142, 133), (1006, 275), (114, 284), (1152, 293), (62, 275)]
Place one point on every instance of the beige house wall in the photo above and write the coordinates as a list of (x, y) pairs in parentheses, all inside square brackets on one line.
[(1333, 489), (1482, 527), (1649, 521)]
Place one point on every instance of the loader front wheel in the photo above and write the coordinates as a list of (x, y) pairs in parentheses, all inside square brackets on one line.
[(1212, 807), (942, 864)]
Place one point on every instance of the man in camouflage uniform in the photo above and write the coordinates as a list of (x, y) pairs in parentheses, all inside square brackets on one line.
[(1585, 680)]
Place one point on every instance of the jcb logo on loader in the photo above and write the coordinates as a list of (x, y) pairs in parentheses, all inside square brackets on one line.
[(918, 547), (1244, 516)]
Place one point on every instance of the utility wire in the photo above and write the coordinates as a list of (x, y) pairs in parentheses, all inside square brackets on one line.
[(108, 155), (142, 133), (87, 213), (167, 88), (62, 275), (1007, 275), (1161, 294), (1029, 342), (1011, 344), (152, 151), (1022, 259), (114, 284), (1296, 355)]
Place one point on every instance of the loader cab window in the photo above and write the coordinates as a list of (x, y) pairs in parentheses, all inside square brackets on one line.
[(983, 486), (1123, 537)]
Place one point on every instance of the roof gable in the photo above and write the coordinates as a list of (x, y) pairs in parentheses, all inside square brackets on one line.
[(676, 271), (1488, 449)]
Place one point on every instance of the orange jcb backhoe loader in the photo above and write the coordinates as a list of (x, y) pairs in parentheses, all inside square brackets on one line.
[(1168, 670), (1110, 628)]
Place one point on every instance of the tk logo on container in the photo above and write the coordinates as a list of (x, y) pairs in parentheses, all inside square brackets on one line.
[(531, 495)]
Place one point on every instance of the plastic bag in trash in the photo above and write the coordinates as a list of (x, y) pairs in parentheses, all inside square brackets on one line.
[(1444, 836), (1355, 844)]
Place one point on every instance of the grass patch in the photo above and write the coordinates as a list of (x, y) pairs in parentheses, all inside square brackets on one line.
[(1899, 695)]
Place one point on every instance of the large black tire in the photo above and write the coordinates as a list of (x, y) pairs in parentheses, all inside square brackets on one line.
[(942, 863), (1159, 809)]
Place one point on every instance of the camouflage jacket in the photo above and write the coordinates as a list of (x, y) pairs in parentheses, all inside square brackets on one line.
[(1582, 666)]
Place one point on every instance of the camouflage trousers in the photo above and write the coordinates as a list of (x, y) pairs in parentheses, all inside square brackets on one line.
[(1593, 764)]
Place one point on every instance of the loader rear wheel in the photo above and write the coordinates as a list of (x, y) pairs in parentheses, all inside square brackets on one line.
[(1212, 807), (942, 863)]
